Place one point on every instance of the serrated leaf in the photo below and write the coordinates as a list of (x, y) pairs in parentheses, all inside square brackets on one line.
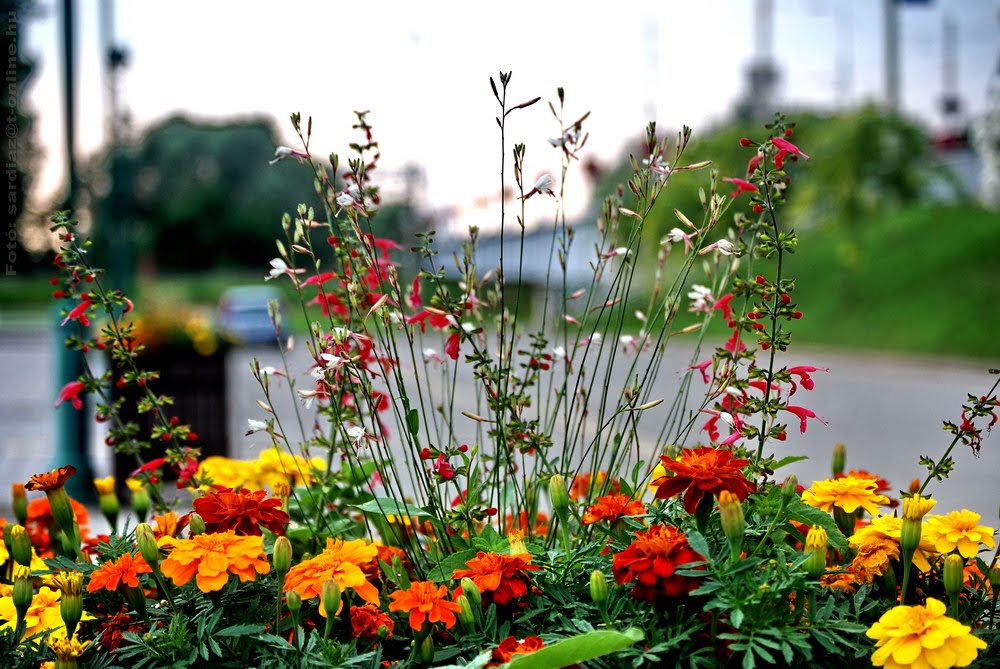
[(698, 543), (736, 618), (240, 630), (444, 570), (385, 506), (578, 649)]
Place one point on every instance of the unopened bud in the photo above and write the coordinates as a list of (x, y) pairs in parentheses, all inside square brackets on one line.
[(330, 597), (70, 583), (62, 509), (994, 578), (293, 600), (846, 521), (914, 510), (731, 514), (815, 548), (23, 591), (790, 487), (140, 497), (471, 590), (426, 650), (954, 576), (515, 542), (20, 544), (146, 541), (196, 523), (465, 615), (382, 632), (19, 502), (559, 495), (839, 459), (598, 587), (282, 556)]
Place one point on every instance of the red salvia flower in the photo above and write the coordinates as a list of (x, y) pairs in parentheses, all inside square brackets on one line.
[(651, 562), (742, 186), (242, 511), (703, 470), (71, 393), (785, 148)]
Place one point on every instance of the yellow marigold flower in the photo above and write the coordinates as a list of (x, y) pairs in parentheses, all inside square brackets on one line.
[(275, 465), (875, 550), (959, 530), (105, 486), (228, 472), (659, 471), (212, 557), (135, 485), (43, 614), (67, 649), (848, 493), (341, 561), (916, 507), (891, 527), (922, 636)]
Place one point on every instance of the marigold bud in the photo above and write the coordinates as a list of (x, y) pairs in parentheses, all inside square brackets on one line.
[(426, 650), (598, 587), (471, 590), (196, 523), (559, 495), (790, 487), (66, 650), (19, 502), (23, 591), (281, 489), (282, 556), (954, 576), (465, 615), (71, 602), (815, 548), (846, 521), (293, 600), (994, 578), (731, 514), (839, 459), (146, 540), (20, 544), (330, 597), (140, 498), (62, 509)]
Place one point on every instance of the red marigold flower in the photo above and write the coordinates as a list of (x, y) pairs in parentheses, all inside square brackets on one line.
[(613, 507), (500, 578), (425, 601), (52, 480), (512, 646), (651, 562), (111, 574), (742, 186), (703, 470), (367, 619), (241, 511)]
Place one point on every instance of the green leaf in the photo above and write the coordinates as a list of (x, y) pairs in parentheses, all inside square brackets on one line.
[(699, 544), (803, 513), (736, 618), (384, 506), (577, 649), (477, 662), (789, 459), (413, 422), (240, 630), (443, 571)]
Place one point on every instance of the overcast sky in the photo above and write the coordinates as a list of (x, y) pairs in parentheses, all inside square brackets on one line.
[(422, 69)]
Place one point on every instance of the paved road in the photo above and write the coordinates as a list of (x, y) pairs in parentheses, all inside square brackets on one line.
[(887, 410)]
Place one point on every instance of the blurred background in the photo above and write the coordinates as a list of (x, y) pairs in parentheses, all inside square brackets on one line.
[(154, 122)]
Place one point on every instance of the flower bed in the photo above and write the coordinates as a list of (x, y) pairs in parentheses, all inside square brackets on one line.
[(388, 526)]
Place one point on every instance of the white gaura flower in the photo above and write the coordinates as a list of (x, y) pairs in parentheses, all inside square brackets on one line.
[(283, 152), (254, 426), (701, 298), (356, 434), (723, 246), (559, 353), (279, 267), (542, 185)]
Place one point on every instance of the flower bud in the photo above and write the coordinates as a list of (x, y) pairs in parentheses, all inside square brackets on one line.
[(515, 541), (559, 495), (839, 459), (815, 548), (330, 597), (465, 615), (62, 509), (426, 651), (146, 541), (282, 556), (954, 576), (23, 591), (140, 497), (731, 513), (70, 583), (598, 587), (20, 544), (382, 632), (293, 600), (196, 523), (19, 502), (994, 578), (846, 521), (66, 650), (790, 488), (914, 510), (471, 590)]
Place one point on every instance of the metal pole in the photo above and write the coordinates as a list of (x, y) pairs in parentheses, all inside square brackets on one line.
[(71, 425), (891, 44)]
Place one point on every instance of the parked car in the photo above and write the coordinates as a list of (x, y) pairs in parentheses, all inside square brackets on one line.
[(243, 314)]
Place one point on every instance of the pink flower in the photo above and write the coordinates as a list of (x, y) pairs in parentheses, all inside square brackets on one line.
[(79, 312), (742, 186), (414, 296), (785, 148), (803, 415), (703, 368), (723, 304), (444, 468), (803, 372), (71, 393)]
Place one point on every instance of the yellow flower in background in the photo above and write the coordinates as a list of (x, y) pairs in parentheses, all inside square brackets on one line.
[(959, 530), (891, 527), (848, 493), (43, 614), (276, 465), (230, 473), (922, 636), (105, 486), (135, 485), (659, 471)]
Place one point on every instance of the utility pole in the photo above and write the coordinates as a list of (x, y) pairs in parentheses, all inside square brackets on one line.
[(890, 24)]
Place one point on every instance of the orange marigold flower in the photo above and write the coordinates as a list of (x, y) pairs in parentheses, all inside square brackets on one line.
[(703, 470), (499, 577), (40, 519), (241, 511), (425, 601), (341, 561), (836, 579), (367, 619), (613, 507), (111, 574), (512, 646), (586, 484), (50, 480), (212, 557), (875, 550), (539, 528), (168, 524), (651, 562)]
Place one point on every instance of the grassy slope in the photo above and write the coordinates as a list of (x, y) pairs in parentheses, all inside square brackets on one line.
[(922, 279)]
